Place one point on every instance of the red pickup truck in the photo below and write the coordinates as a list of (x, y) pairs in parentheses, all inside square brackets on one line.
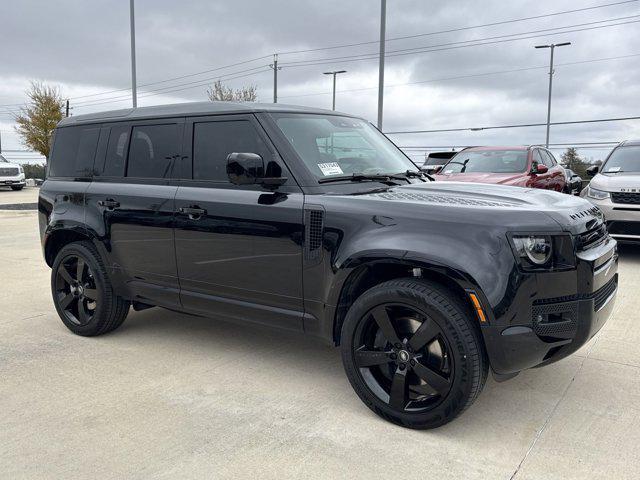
[(521, 166)]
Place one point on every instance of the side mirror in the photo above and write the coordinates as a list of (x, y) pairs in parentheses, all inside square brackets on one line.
[(592, 170), (538, 168), (249, 169)]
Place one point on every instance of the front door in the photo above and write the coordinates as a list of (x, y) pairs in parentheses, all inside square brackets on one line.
[(238, 248), (132, 196)]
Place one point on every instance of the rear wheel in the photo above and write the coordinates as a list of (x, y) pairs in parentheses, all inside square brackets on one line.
[(411, 354), (82, 292)]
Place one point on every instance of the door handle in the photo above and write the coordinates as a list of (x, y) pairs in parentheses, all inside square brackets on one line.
[(110, 203), (195, 212)]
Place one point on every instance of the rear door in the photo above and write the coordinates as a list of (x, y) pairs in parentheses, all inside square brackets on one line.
[(131, 205), (239, 248)]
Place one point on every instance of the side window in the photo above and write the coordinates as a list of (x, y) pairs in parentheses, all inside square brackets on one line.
[(152, 150), (116, 151), (74, 151), (537, 157), (552, 160), (213, 141)]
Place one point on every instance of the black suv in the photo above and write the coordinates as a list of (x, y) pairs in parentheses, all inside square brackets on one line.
[(315, 222)]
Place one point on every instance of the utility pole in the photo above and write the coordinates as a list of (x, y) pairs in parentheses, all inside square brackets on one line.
[(334, 73), (134, 92), (66, 110), (552, 48), (274, 65), (383, 21)]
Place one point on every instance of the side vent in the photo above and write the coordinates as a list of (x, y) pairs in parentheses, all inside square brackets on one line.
[(313, 223)]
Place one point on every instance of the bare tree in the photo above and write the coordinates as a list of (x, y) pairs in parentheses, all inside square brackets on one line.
[(219, 93), (37, 120)]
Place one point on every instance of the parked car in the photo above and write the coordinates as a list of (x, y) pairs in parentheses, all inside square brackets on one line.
[(11, 174), (435, 161), (574, 182), (615, 189), (249, 212), (532, 167)]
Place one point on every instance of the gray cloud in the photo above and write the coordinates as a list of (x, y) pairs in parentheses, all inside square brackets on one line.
[(84, 47)]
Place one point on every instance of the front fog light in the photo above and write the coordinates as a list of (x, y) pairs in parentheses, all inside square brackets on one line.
[(535, 248)]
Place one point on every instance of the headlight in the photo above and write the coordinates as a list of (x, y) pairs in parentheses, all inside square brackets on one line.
[(542, 252), (536, 248), (597, 194)]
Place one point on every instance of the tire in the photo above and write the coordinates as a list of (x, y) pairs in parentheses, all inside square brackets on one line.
[(82, 292), (17, 187), (440, 379)]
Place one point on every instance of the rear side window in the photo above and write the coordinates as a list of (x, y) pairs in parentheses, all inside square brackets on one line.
[(214, 141), (152, 150), (73, 152), (116, 151)]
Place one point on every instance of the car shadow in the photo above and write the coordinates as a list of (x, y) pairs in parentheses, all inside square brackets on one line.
[(519, 399)]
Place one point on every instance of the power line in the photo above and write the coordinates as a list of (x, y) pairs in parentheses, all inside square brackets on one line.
[(522, 125), (175, 78), (150, 93), (460, 44), (459, 29), (459, 77)]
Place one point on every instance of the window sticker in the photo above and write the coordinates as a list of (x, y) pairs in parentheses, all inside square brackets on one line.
[(330, 169), (613, 169)]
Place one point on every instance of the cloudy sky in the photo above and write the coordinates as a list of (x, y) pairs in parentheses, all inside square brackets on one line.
[(454, 71)]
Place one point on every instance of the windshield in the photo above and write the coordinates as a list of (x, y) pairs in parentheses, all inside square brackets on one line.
[(623, 159), (3, 160), (336, 146), (488, 161)]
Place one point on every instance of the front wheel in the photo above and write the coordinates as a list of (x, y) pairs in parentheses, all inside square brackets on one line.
[(411, 353), (17, 187)]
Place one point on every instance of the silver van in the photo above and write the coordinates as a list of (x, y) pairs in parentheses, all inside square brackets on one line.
[(615, 189)]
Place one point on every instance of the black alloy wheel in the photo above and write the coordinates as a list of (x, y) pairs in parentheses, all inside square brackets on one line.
[(403, 357), (82, 291), (75, 290), (412, 352)]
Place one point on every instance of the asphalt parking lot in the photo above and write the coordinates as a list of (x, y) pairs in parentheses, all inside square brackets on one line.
[(173, 396)]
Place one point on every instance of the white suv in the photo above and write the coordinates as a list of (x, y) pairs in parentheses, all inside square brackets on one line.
[(615, 189), (11, 174)]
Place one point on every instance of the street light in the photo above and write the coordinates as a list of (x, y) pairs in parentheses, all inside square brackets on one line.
[(552, 47), (334, 73)]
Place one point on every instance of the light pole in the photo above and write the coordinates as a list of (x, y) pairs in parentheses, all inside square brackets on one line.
[(552, 47), (134, 92), (383, 24), (334, 73)]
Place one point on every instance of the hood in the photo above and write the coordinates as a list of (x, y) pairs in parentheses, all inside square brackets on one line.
[(617, 182), (480, 177), (480, 203)]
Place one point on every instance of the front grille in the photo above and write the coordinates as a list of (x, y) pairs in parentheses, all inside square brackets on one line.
[(603, 294), (616, 227), (592, 238), (628, 198), (8, 172)]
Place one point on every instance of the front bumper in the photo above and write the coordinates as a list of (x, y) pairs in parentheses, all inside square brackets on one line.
[(550, 328), (623, 220), (18, 180)]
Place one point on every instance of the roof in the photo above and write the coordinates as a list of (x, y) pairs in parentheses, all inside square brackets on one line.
[(189, 109)]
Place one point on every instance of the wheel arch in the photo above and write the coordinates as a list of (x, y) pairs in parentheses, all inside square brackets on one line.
[(370, 273)]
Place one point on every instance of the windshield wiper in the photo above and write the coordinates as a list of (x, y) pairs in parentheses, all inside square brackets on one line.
[(359, 177), (418, 174)]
